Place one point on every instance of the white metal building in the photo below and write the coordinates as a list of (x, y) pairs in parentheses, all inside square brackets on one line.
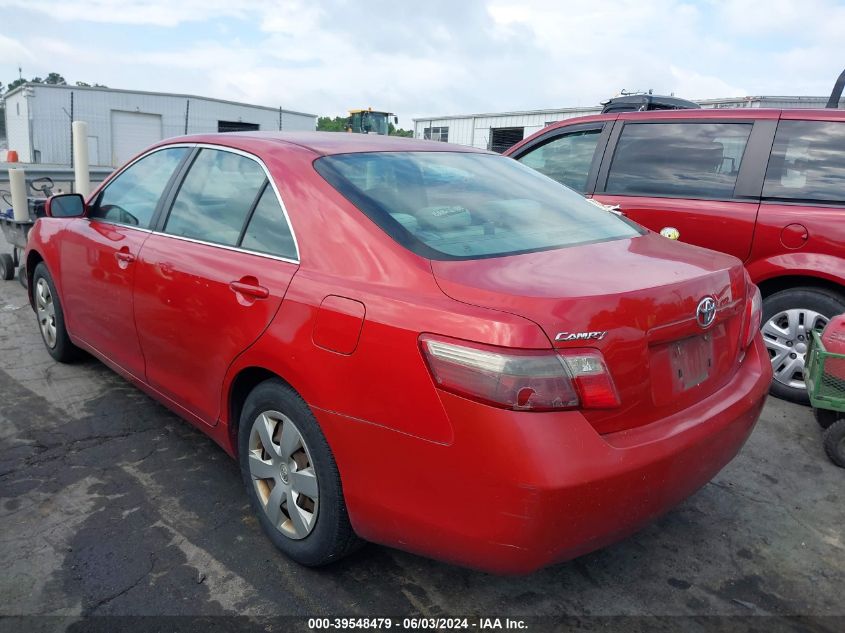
[(499, 131), (123, 122)]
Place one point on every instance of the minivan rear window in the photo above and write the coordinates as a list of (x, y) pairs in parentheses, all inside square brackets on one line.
[(463, 205), (807, 162)]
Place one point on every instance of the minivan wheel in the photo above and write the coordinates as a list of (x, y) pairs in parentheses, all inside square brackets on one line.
[(51, 320), (291, 477), (789, 317)]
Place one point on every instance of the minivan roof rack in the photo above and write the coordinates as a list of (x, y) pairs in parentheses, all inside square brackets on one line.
[(641, 102)]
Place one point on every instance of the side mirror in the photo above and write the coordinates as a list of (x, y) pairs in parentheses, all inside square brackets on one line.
[(65, 205)]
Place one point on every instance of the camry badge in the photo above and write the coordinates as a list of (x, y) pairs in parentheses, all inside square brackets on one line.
[(706, 312), (580, 336)]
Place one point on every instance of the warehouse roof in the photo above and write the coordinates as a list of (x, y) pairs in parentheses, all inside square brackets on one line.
[(155, 94)]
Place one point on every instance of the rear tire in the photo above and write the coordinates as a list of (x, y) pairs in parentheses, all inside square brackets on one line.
[(788, 318), (834, 443), (291, 477), (51, 319), (7, 267)]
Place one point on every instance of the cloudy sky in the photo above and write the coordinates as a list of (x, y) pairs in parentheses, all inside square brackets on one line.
[(432, 57)]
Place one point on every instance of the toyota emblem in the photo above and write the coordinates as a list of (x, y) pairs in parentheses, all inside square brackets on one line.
[(706, 312)]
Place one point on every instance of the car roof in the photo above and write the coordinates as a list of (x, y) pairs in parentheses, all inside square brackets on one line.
[(326, 143)]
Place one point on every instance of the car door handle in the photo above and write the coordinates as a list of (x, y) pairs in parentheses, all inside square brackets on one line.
[(124, 256), (248, 289)]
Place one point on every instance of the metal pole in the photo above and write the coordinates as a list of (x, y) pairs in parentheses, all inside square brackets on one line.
[(187, 110), (280, 118), (72, 163), (833, 102)]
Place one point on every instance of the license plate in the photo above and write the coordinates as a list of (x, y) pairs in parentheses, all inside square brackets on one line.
[(692, 361)]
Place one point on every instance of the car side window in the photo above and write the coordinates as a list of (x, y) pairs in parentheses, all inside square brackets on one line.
[(681, 160), (566, 158), (807, 162), (215, 197), (132, 197), (268, 230)]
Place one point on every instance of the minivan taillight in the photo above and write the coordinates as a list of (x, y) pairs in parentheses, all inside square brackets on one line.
[(522, 380), (753, 313)]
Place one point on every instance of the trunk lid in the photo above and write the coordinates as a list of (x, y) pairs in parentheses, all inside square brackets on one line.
[(643, 294)]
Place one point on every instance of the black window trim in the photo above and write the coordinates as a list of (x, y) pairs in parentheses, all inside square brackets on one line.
[(169, 197), (605, 128), (749, 179)]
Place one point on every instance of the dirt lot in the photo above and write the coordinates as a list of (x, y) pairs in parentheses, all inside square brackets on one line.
[(109, 504)]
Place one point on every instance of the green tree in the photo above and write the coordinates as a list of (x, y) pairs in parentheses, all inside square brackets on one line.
[(15, 84), (328, 124), (55, 79), (82, 84), (392, 130)]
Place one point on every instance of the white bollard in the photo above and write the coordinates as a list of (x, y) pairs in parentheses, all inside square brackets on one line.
[(82, 181), (17, 184)]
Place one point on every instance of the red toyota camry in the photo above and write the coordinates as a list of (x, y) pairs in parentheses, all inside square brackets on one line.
[(426, 346)]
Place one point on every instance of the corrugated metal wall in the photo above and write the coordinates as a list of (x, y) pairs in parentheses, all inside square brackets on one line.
[(50, 108), (17, 125), (475, 130)]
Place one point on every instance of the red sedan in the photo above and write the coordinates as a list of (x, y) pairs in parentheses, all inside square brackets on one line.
[(434, 348)]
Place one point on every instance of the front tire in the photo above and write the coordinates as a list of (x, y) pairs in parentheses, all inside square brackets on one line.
[(291, 477), (789, 317), (51, 319), (834, 443)]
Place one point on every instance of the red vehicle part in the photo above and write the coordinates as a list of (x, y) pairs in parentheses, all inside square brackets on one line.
[(649, 398)]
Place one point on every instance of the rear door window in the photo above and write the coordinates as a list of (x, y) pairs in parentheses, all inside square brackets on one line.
[(566, 158), (215, 197), (681, 160), (807, 162), (268, 230)]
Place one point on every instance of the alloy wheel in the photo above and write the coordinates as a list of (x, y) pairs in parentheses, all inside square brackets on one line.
[(787, 336), (46, 310), (283, 474)]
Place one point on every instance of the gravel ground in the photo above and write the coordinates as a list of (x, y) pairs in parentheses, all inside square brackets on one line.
[(110, 505)]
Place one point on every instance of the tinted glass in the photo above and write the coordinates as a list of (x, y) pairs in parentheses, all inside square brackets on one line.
[(449, 205), (683, 160), (268, 230), (215, 197), (131, 198), (807, 162), (566, 158)]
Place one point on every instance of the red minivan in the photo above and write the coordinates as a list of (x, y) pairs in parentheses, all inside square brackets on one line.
[(766, 186), (430, 347)]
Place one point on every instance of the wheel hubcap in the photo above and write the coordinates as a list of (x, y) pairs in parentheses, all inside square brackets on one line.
[(283, 474), (46, 311), (787, 335)]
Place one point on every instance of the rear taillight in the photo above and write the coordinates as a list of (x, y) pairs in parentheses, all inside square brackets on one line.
[(753, 313), (522, 380)]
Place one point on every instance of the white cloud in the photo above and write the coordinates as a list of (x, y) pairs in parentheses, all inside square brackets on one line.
[(442, 57)]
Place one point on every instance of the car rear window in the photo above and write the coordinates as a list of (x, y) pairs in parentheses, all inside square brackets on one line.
[(807, 162), (451, 205)]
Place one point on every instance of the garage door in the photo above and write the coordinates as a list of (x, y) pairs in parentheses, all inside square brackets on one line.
[(131, 132)]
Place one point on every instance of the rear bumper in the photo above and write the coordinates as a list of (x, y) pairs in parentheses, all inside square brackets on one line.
[(515, 492)]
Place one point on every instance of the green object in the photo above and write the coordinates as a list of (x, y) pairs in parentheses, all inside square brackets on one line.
[(826, 390)]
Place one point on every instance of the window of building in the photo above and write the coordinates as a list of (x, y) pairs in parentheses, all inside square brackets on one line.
[(503, 138), (236, 126), (436, 134), (566, 158), (215, 197), (807, 162), (689, 160)]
